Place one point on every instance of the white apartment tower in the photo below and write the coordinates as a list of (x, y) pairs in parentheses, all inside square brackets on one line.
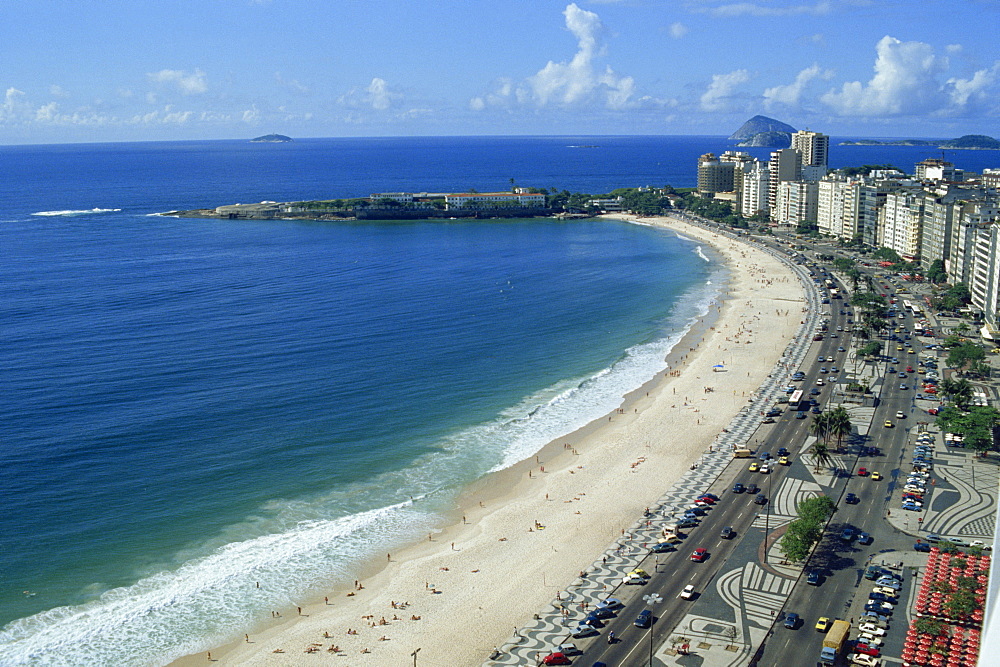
[(813, 147), (756, 180)]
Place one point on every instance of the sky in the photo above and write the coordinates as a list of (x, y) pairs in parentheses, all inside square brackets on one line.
[(111, 70)]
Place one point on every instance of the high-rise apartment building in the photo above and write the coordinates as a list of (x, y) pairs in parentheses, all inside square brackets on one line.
[(714, 175), (813, 148), (756, 180)]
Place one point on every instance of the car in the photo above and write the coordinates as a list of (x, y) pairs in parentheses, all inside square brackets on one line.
[(847, 534), (814, 578), (688, 592), (889, 583), (773, 412), (760, 499), (663, 547), (889, 424), (863, 660), (869, 615), (892, 371), (877, 596), (784, 461), (862, 471), (636, 576), (611, 603), (583, 630), (699, 555), (823, 624), (791, 620), (864, 538), (819, 382), (870, 639), (900, 414), (814, 392), (887, 591), (883, 608), (594, 619), (601, 614), (903, 387), (765, 469), (752, 488), (727, 533), (956, 540), (782, 451), (834, 369), (872, 629), (569, 649), (851, 499), (840, 349), (801, 414), (739, 488), (866, 649), (557, 658), (822, 369), (981, 545), (644, 619), (709, 496), (754, 467), (912, 507)]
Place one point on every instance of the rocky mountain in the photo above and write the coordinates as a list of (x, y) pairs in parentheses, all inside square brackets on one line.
[(768, 140), (759, 124)]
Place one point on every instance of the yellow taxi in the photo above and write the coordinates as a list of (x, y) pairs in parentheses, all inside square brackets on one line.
[(877, 476), (888, 424), (783, 460), (754, 467), (823, 624)]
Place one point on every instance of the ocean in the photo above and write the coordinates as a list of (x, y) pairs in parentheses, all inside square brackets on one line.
[(193, 407)]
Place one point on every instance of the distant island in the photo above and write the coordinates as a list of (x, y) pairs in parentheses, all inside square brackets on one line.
[(271, 139), (764, 132), (966, 142)]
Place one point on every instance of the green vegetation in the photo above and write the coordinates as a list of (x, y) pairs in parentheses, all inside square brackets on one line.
[(975, 425), (965, 354), (952, 299), (805, 531), (936, 273)]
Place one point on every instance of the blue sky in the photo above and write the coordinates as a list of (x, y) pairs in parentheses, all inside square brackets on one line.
[(204, 69)]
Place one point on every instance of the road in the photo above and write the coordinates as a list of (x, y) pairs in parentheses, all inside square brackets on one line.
[(841, 563)]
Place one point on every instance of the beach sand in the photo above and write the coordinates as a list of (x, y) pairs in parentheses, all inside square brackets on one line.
[(492, 570)]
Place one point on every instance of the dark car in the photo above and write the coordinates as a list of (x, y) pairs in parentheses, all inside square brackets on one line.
[(602, 613), (791, 621), (847, 534), (760, 499), (922, 546), (727, 533), (782, 451), (739, 488), (864, 538), (814, 578), (687, 523), (801, 414), (644, 619), (663, 547), (851, 499), (752, 488)]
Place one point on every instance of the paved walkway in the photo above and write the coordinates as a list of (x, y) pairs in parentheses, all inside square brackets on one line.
[(603, 579)]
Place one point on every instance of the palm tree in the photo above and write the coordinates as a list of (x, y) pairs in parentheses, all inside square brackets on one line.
[(959, 391), (839, 424), (855, 277), (820, 427), (822, 454)]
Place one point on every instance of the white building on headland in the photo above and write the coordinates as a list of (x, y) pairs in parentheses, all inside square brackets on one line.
[(494, 200)]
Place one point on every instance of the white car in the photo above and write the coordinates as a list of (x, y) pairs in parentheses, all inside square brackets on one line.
[(980, 544), (872, 629), (765, 468), (871, 640), (819, 382), (885, 590), (688, 592), (863, 659), (900, 415)]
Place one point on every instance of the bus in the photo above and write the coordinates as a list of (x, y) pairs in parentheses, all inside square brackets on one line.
[(795, 400)]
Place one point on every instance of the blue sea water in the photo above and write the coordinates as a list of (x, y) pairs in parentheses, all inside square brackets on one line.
[(191, 407)]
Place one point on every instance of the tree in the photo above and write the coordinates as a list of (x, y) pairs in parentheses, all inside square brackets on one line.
[(804, 532), (965, 354), (839, 424), (887, 254), (958, 391), (821, 451)]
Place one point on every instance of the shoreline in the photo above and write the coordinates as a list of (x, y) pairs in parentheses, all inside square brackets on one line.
[(492, 568)]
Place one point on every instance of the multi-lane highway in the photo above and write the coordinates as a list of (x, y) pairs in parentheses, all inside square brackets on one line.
[(841, 563)]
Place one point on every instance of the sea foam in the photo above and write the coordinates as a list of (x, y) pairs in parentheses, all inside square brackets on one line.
[(73, 212)]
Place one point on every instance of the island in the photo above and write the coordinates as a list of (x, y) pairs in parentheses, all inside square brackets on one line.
[(762, 131), (976, 142), (271, 139)]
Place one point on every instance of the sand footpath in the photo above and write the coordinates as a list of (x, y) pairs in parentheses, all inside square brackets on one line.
[(464, 593)]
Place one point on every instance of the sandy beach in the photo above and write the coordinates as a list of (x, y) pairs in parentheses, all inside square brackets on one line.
[(463, 592)]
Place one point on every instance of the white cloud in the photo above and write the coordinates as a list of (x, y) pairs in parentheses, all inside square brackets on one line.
[(251, 116), (790, 95), (576, 83), (192, 83), (14, 106), (981, 86), (58, 91), (720, 91), (377, 95), (904, 82), (678, 30), (291, 84), (953, 48), (760, 9)]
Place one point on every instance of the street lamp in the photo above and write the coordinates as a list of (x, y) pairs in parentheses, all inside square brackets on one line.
[(650, 600), (414, 654)]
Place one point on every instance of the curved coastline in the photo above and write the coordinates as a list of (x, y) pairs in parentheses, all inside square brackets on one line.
[(492, 568)]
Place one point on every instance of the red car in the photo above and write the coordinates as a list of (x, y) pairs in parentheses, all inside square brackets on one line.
[(699, 555), (556, 659), (930, 390), (867, 649), (862, 472)]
